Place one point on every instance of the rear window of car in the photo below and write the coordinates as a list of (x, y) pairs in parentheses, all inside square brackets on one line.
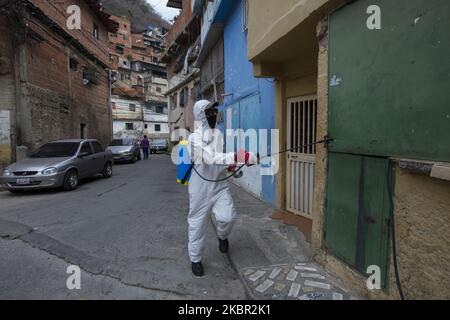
[(121, 142), (57, 150)]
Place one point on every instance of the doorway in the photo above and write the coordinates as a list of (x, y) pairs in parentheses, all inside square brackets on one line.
[(82, 131), (301, 131)]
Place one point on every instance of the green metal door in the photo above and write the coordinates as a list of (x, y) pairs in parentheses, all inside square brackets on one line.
[(358, 210), (388, 93)]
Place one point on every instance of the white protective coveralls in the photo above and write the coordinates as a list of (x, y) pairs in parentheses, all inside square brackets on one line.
[(206, 196)]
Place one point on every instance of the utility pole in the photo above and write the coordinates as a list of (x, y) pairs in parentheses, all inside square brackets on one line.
[(110, 82)]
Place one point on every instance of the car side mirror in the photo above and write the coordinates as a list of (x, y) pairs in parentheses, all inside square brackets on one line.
[(82, 155)]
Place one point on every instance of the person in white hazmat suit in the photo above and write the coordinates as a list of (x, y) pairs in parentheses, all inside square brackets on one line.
[(204, 196)]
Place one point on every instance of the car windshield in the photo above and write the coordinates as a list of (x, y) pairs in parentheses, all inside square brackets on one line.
[(121, 142), (56, 150)]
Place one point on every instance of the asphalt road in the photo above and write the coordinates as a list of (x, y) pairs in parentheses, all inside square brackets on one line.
[(128, 234)]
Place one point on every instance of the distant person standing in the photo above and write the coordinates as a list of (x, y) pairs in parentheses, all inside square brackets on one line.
[(145, 145)]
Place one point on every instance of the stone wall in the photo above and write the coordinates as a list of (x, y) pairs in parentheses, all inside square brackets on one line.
[(422, 212), (322, 130)]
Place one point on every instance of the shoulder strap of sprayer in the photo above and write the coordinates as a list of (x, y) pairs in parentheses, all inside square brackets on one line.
[(186, 176)]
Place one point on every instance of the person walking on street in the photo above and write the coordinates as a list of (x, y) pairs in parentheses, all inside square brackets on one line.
[(204, 196), (145, 145)]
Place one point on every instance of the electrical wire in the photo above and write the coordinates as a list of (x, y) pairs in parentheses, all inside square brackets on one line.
[(392, 232), (326, 140), (85, 33)]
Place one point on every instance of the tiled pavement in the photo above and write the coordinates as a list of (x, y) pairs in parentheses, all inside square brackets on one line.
[(274, 260), (302, 281)]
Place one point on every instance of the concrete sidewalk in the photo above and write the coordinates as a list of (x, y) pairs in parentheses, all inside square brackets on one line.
[(274, 260)]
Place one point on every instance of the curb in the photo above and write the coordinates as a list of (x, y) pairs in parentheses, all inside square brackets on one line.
[(248, 292)]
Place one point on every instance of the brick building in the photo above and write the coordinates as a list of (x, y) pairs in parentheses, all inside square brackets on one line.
[(139, 106), (183, 46), (54, 81)]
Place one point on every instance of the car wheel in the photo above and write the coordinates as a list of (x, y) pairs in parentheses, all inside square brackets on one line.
[(107, 170), (134, 159), (71, 181)]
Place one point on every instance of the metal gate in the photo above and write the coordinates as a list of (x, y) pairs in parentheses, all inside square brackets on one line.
[(302, 130)]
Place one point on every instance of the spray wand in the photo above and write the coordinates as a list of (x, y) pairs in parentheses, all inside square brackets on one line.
[(238, 172)]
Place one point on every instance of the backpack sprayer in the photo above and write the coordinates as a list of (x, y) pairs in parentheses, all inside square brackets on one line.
[(185, 165)]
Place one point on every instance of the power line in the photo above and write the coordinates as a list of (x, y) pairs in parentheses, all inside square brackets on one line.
[(88, 35)]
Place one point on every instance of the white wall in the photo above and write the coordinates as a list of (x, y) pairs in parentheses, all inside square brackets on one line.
[(119, 129), (151, 128), (122, 109)]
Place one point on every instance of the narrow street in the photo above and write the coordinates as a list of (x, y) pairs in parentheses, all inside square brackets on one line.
[(128, 234), (335, 119)]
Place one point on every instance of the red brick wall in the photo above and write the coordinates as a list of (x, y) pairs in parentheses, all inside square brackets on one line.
[(47, 62), (56, 10), (180, 24), (141, 56), (124, 30), (58, 100), (138, 41)]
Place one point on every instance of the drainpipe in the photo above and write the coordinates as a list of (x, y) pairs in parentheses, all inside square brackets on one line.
[(23, 114)]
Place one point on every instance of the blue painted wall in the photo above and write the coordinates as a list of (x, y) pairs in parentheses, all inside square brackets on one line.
[(252, 99)]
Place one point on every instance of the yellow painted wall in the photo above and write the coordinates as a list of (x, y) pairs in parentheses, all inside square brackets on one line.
[(270, 20), (301, 86)]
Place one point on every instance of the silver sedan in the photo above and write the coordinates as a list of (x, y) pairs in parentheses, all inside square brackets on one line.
[(58, 164)]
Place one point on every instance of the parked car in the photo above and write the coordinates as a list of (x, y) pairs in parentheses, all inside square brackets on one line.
[(125, 150), (58, 164), (159, 145)]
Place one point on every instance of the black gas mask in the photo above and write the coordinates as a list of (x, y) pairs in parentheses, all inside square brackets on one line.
[(211, 114)]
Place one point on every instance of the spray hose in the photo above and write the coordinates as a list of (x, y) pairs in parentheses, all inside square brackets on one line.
[(326, 140)]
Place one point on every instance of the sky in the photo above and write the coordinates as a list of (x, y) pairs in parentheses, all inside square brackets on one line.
[(165, 12)]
